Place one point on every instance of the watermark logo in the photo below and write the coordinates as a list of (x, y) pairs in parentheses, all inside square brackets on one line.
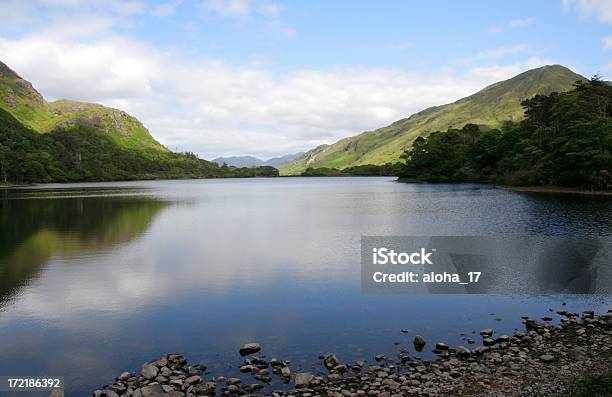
[(486, 264)]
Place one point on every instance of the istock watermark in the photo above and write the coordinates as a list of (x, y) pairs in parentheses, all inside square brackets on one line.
[(486, 264)]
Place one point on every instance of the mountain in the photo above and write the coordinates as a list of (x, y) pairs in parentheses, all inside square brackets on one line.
[(250, 161), (239, 161), (489, 107), (279, 161), (19, 98), (69, 141)]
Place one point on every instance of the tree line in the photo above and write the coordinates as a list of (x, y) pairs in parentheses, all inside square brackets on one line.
[(564, 140), (78, 153)]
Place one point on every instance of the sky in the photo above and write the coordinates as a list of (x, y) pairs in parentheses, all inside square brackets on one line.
[(272, 77)]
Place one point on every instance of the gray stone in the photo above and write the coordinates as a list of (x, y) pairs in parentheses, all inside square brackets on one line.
[(547, 358), (149, 371), (303, 379), (151, 390), (419, 343), (486, 332), (249, 348), (192, 380)]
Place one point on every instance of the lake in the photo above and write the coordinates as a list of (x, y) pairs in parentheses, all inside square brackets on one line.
[(96, 279)]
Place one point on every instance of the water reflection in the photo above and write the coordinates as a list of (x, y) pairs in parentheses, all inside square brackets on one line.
[(35, 230), (103, 277)]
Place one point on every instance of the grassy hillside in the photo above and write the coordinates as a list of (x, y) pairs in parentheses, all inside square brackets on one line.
[(564, 140), (489, 107), (67, 141), (19, 98)]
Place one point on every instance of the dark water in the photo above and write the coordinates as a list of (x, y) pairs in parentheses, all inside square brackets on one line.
[(96, 279)]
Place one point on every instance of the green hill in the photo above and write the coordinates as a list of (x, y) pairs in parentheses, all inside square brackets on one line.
[(19, 98), (68, 141), (489, 107)]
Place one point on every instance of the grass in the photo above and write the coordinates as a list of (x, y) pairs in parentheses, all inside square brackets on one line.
[(20, 99), (591, 385), (489, 107)]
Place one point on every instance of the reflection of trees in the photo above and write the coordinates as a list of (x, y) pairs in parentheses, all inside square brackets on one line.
[(35, 229)]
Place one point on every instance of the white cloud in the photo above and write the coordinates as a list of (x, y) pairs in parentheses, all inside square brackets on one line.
[(522, 23), (607, 42), (214, 108), (271, 9), (124, 7), (600, 9), (165, 9), (229, 8)]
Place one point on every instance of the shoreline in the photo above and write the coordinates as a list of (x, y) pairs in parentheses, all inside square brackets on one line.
[(541, 360), (555, 189)]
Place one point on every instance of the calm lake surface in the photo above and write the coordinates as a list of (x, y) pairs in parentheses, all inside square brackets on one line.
[(96, 279)]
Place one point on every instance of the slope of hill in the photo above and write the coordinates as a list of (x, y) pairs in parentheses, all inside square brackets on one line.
[(75, 141), (250, 161), (19, 98), (490, 107), (239, 161)]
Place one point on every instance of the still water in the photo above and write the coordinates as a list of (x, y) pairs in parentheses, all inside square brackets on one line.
[(96, 279)]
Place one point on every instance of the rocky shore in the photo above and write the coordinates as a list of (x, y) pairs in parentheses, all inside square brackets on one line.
[(536, 361)]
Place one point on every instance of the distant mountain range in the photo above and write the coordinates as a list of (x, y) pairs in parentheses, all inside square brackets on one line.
[(250, 161), (489, 107)]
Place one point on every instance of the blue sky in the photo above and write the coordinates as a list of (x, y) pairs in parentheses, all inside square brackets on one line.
[(270, 77)]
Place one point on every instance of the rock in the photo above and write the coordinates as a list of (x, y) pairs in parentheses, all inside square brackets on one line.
[(405, 331), (330, 361), (547, 358), (588, 314), (192, 380), (463, 352), (125, 376), (419, 343), (503, 339), (533, 325), (379, 357), (481, 349), (303, 379), (488, 341), (441, 346), (233, 381), (149, 371), (151, 390), (487, 332), (249, 348), (285, 372)]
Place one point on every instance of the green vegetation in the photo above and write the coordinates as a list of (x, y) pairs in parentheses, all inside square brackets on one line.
[(488, 108), (564, 140), (388, 169), (77, 153), (591, 385), (68, 141)]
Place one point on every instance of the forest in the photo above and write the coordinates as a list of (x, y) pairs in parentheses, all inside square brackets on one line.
[(77, 153), (564, 140)]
